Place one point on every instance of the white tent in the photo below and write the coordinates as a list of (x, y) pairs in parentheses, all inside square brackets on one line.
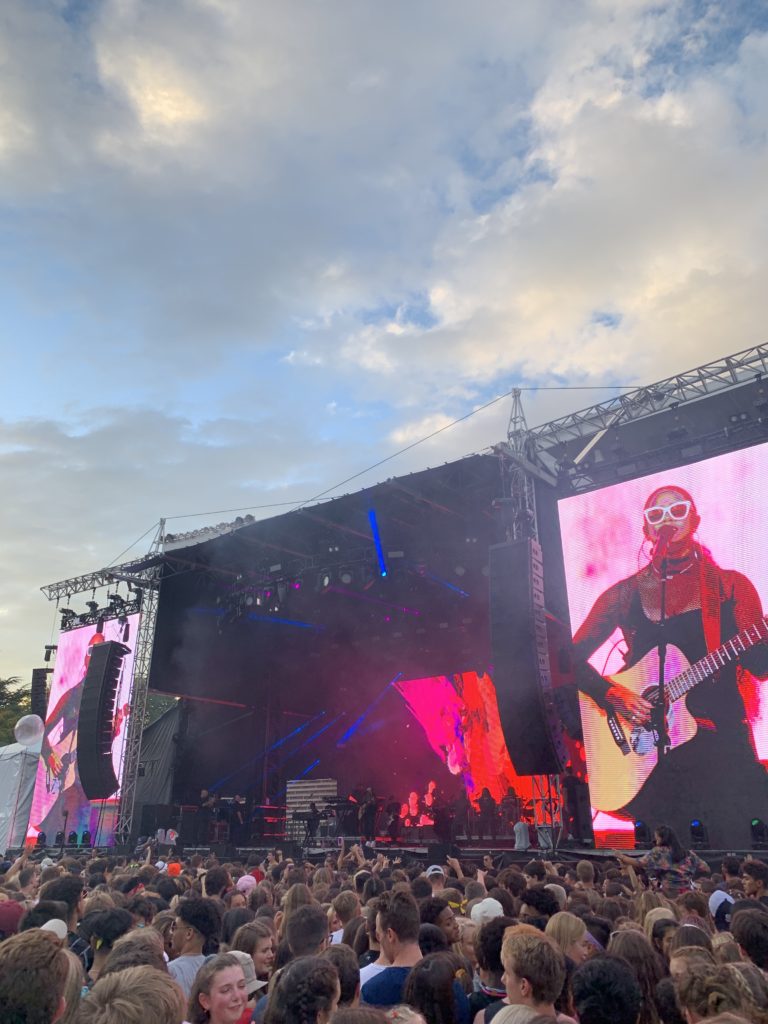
[(18, 768)]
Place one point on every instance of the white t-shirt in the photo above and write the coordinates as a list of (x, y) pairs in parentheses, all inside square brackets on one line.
[(370, 971)]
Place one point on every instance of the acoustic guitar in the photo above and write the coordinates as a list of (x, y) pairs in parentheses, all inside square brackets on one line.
[(619, 770)]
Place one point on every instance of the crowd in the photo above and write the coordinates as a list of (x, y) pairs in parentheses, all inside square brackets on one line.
[(663, 939)]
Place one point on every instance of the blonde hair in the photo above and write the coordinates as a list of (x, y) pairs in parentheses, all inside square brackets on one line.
[(73, 987), (565, 929), (137, 995), (659, 913)]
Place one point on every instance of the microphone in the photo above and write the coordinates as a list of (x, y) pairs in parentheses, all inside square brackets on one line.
[(663, 537)]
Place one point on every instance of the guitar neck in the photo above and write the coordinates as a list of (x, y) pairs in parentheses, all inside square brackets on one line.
[(706, 667)]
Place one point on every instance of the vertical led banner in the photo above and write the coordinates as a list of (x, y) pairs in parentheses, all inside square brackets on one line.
[(58, 802)]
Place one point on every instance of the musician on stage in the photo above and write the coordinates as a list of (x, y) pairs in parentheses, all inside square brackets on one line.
[(714, 775), (367, 815)]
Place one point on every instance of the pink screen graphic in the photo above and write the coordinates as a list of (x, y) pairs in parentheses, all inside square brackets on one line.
[(460, 718), (58, 801), (603, 543)]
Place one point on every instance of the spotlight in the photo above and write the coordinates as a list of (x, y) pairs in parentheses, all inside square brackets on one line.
[(642, 836), (459, 570), (59, 840), (324, 580), (42, 839), (346, 576), (759, 834), (49, 650), (72, 838), (92, 606), (85, 839), (699, 834)]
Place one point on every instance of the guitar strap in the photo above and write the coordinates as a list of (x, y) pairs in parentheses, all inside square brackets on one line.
[(711, 600)]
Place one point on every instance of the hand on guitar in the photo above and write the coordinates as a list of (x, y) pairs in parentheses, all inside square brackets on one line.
[(637, 710)]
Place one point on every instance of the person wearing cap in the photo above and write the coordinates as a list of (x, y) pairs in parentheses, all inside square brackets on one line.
[(488, 942), (252, 984), (436, 878), (720, 905), (486, 910)]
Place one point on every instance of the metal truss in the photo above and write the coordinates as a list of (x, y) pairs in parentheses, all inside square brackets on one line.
[(139, 572), (138, 701), (721, 375)]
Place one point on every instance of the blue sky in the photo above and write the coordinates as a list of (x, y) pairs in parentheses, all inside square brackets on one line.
[(249, 249)]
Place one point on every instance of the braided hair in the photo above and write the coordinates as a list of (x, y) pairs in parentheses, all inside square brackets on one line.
[(305, 987)]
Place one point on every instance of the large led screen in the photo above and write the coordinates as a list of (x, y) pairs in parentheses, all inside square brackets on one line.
[(58, 802), (675, 558)]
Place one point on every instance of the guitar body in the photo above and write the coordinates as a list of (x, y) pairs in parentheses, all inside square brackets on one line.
[(616, 778)]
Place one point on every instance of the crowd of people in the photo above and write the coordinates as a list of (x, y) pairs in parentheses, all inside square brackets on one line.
[(662, 939)]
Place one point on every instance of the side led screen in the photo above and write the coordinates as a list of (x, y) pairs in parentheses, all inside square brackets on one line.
[(58, 802), (678, 559), (460, 718)]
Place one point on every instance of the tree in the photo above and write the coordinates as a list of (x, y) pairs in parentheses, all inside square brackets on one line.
[(14, 704)]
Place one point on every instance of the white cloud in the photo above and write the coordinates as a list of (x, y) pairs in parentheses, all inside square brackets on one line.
[(253, 219)]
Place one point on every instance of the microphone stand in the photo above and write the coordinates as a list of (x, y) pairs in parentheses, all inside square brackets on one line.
[(659, 715)]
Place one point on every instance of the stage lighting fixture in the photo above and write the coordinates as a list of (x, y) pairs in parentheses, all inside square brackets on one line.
[(92, 606), (759, 834), (42, 839), (85, 839), (249, 600), (72, 838), (59, 840), (642, 836), (346, 576), (699, 834), (459, 570), (324, 580), (49, 650)]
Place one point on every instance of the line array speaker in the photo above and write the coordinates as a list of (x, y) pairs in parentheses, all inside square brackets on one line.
[(97, 715), (531, 725)]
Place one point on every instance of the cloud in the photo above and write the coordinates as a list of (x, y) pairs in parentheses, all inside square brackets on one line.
[(250, 249)]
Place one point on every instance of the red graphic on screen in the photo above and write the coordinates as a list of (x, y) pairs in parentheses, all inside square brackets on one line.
[(460, 718)]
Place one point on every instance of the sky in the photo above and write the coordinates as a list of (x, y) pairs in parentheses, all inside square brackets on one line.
[(249, 249)]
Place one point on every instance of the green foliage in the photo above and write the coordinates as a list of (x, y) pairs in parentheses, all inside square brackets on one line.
[(14, 704)]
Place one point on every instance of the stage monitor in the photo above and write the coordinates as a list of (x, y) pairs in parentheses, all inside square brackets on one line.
[(687, 546), (58, 802)]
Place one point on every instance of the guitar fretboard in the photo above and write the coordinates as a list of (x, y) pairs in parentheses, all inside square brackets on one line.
[(715, 660)]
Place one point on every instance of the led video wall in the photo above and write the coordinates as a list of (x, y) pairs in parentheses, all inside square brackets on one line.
[(686, 546), (460, 718), (58, 802)]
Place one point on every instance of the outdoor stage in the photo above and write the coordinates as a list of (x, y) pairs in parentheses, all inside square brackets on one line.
[(420, 630)]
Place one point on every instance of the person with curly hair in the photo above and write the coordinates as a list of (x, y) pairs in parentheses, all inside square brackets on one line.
[(197, 921), (707, 991), (648, 968), (306, 991)]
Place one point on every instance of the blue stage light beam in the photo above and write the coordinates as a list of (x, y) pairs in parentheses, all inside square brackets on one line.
[(308, 769), (377, 541), (345, 737), (262, 754)]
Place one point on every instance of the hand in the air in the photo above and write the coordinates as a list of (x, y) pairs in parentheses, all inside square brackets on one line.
[(637, 710)]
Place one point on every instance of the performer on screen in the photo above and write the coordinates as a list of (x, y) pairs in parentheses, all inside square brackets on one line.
[(710, 770)]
